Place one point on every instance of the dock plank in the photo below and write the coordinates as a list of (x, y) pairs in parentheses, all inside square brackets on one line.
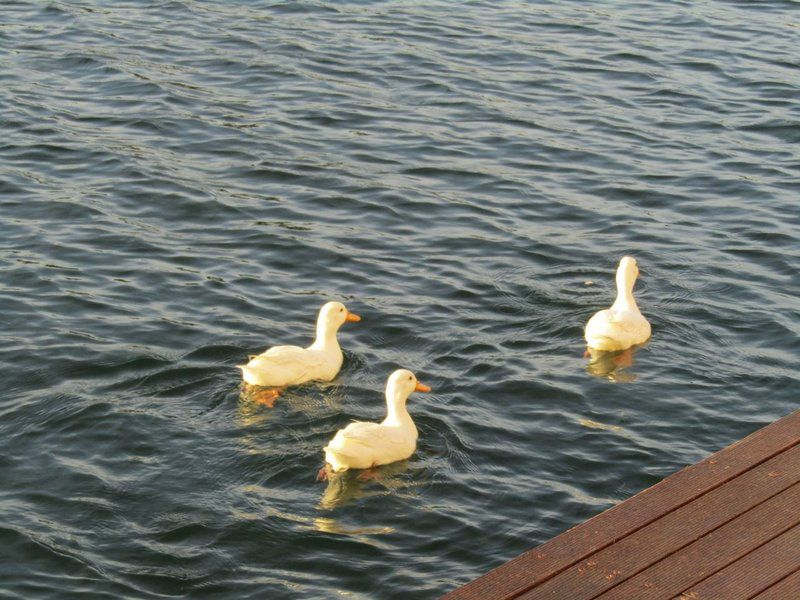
[(789, 587), (711, 553), (537, 566), (753, 573), (674, 530)]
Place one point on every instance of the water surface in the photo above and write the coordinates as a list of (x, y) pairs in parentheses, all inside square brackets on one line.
[(185, 183)]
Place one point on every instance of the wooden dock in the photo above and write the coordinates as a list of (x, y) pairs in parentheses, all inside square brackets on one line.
[(726, 528)]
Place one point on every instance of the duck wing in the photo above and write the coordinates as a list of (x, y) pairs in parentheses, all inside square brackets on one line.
[(373, 441), (626, 321), (283, 365), (356, 438)]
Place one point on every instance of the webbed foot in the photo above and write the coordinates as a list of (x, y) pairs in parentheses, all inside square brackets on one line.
[(368, 474), (267, 397)]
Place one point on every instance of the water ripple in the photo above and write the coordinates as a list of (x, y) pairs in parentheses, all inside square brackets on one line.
[(184, 184)]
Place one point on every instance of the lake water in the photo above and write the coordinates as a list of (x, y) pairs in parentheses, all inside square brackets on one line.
[(185, 183)]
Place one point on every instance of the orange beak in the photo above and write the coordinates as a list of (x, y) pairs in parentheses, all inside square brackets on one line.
[(421, 387), (352, 317)]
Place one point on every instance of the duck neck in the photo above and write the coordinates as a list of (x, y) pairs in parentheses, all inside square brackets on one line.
[(326, 338), (625, 300), (396, 413)]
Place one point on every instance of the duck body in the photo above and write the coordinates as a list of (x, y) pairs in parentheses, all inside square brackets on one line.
[(622, 325), (282, 366), (612, 330), (362, 445)]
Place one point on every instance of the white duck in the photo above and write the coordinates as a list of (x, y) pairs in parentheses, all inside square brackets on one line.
[(622, 325), (282, 366), (362, 445)]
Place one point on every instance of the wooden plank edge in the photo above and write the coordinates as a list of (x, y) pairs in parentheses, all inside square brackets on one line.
[(788, 587), (725, 545), (754, 491), (752, 573), (531, 568)]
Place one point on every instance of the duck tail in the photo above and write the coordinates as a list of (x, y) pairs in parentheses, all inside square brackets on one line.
[(336, 460), (337, 452), (249, 375)]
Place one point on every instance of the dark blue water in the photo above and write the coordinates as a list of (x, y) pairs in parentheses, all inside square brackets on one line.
[(185, 183)]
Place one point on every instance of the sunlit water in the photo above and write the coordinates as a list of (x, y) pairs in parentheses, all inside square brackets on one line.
[(185, 183)]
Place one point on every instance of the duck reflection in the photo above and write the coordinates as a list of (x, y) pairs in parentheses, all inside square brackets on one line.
[(612, 365), (326, 525), (314, 399), (353, 484), (250, 412)]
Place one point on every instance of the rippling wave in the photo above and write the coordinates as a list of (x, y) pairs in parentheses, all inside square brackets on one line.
[(183, 184)]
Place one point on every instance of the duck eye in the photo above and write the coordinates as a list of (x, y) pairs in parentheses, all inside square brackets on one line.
[(409, 378), (341, 310)]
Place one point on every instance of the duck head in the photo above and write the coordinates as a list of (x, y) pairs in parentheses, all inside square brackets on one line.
[(400, 385), (332, 316), (628, 268), (627, 272)]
